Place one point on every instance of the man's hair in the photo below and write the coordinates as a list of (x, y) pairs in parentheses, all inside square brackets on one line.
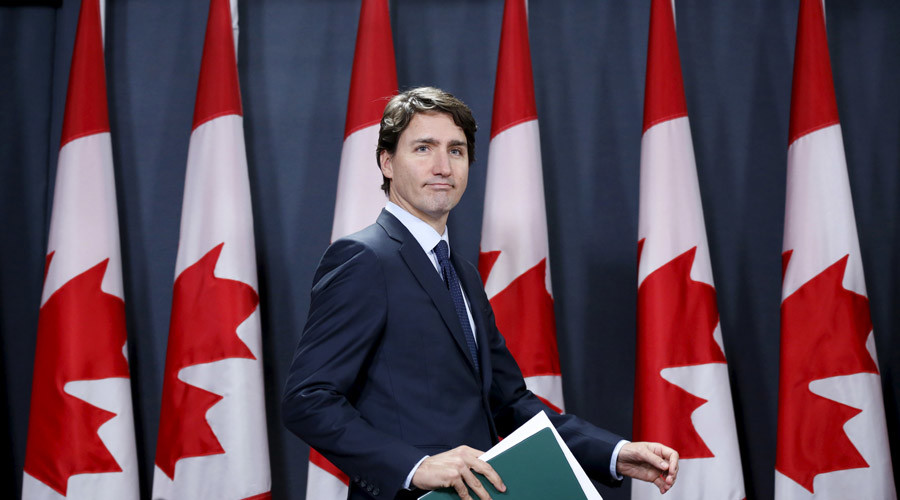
[(403, 106)]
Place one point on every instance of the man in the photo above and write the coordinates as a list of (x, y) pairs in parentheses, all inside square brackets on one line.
[(401, 376)]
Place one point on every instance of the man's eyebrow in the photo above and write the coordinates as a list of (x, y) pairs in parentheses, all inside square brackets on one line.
[(434, 142)]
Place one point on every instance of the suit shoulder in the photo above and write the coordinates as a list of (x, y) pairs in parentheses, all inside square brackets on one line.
[(357, 253), (372, 236)]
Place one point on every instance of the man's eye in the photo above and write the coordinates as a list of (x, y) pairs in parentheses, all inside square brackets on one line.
[(422, 148), (456, 151)]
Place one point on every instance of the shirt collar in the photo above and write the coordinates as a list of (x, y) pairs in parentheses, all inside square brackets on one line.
[(427, 237)]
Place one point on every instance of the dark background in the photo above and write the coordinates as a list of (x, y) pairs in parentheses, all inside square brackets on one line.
[(589, 59)]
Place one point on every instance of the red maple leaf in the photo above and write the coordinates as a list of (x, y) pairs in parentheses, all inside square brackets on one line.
[(81, 333), (676, 320), (824, 328), (524, 313), (206, 312)]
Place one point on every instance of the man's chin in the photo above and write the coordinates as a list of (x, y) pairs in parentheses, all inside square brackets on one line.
[(443, 208), (436, 211)]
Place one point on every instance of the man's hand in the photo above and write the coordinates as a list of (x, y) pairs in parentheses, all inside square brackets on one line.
[(453, 469), (652, 462)]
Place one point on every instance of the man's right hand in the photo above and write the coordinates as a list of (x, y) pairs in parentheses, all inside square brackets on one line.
[(454, 469)]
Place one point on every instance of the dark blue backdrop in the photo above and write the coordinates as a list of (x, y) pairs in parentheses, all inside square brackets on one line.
[(589, 57)]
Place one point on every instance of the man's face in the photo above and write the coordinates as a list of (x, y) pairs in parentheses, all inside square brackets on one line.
[(430, 168)]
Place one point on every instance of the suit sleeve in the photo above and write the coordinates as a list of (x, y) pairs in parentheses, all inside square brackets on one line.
[(346, 320), (513, 404)]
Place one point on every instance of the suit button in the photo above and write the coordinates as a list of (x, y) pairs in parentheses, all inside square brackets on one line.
[(376, 491), (369, 488), (363, 483), (355, 479)]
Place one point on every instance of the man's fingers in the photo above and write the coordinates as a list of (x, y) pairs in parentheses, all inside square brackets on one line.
[(456, 469), (485, 469), (651, 462), (670, 478), (658, 455), (672, 465), (661, 456), (476, 485), (661, 483), (461, 490)]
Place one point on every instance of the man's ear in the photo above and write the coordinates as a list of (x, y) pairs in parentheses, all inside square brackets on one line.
[(387, 166)]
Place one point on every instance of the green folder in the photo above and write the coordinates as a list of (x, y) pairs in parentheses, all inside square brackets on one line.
[(534, 469)]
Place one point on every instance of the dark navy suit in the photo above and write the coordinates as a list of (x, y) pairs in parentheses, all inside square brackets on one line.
[(382, 375)]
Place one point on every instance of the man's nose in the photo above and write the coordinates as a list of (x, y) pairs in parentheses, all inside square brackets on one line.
[(441, 164)]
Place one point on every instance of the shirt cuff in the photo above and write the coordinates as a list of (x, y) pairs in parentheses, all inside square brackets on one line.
[(612, 460), (407, 485)]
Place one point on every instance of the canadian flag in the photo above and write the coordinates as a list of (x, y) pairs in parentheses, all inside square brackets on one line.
[(832, 436), (682, 396), (81, 430), (212, 440), (514, 248), (359, 197)]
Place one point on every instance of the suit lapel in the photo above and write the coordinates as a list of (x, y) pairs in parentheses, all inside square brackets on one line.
[(428, 278)]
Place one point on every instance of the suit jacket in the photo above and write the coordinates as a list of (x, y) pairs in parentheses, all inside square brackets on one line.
[(382, 375)]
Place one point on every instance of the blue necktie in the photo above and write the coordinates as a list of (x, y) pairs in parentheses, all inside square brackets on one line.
[(452, 282)]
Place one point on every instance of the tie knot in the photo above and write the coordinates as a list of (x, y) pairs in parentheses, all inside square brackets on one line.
[(442, 250)]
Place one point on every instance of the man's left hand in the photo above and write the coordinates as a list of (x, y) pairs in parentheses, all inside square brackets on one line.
[(652, 462)]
